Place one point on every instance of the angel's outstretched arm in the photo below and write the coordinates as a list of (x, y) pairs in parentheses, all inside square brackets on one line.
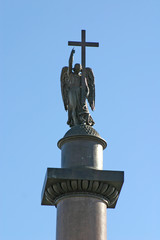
[(71, 60)]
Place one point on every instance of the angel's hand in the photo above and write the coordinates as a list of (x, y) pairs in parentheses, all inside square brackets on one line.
[(73, 51)]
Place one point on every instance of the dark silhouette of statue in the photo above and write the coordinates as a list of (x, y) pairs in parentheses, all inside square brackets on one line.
[(77, 86)]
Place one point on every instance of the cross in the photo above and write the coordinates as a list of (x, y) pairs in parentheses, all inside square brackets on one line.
[(83, 44)]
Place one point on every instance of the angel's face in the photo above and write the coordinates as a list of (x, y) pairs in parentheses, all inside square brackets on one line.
[(77, 68)]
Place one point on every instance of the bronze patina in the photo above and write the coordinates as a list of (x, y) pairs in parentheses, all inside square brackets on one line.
[(77, 86)]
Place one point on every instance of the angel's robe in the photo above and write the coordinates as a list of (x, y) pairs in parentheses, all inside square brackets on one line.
[(77, 109), (74, 91)]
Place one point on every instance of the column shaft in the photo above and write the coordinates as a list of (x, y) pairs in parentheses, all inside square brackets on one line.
[(81, 218)]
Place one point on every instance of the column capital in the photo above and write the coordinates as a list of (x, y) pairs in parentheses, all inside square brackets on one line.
[(61, 183)]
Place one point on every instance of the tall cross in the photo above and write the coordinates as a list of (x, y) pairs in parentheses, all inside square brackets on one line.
[(83, 44)]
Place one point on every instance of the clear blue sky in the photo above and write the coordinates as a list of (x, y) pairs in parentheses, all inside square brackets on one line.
[(33, 49)]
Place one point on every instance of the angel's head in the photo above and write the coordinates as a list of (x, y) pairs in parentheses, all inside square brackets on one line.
[(77, 68)]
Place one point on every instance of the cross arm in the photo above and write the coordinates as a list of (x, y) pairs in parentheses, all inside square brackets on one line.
[(74, 43), (92, 44), (87, 44)]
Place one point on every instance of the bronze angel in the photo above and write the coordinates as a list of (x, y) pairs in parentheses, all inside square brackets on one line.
[(77, 85)]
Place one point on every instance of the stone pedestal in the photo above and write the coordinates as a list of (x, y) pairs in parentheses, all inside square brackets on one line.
[(80, 189)]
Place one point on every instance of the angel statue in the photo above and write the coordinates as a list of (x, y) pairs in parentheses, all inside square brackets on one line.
[(77, 85)]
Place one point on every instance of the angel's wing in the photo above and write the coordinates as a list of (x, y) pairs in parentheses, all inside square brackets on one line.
[(64, 86), (91, 85)]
